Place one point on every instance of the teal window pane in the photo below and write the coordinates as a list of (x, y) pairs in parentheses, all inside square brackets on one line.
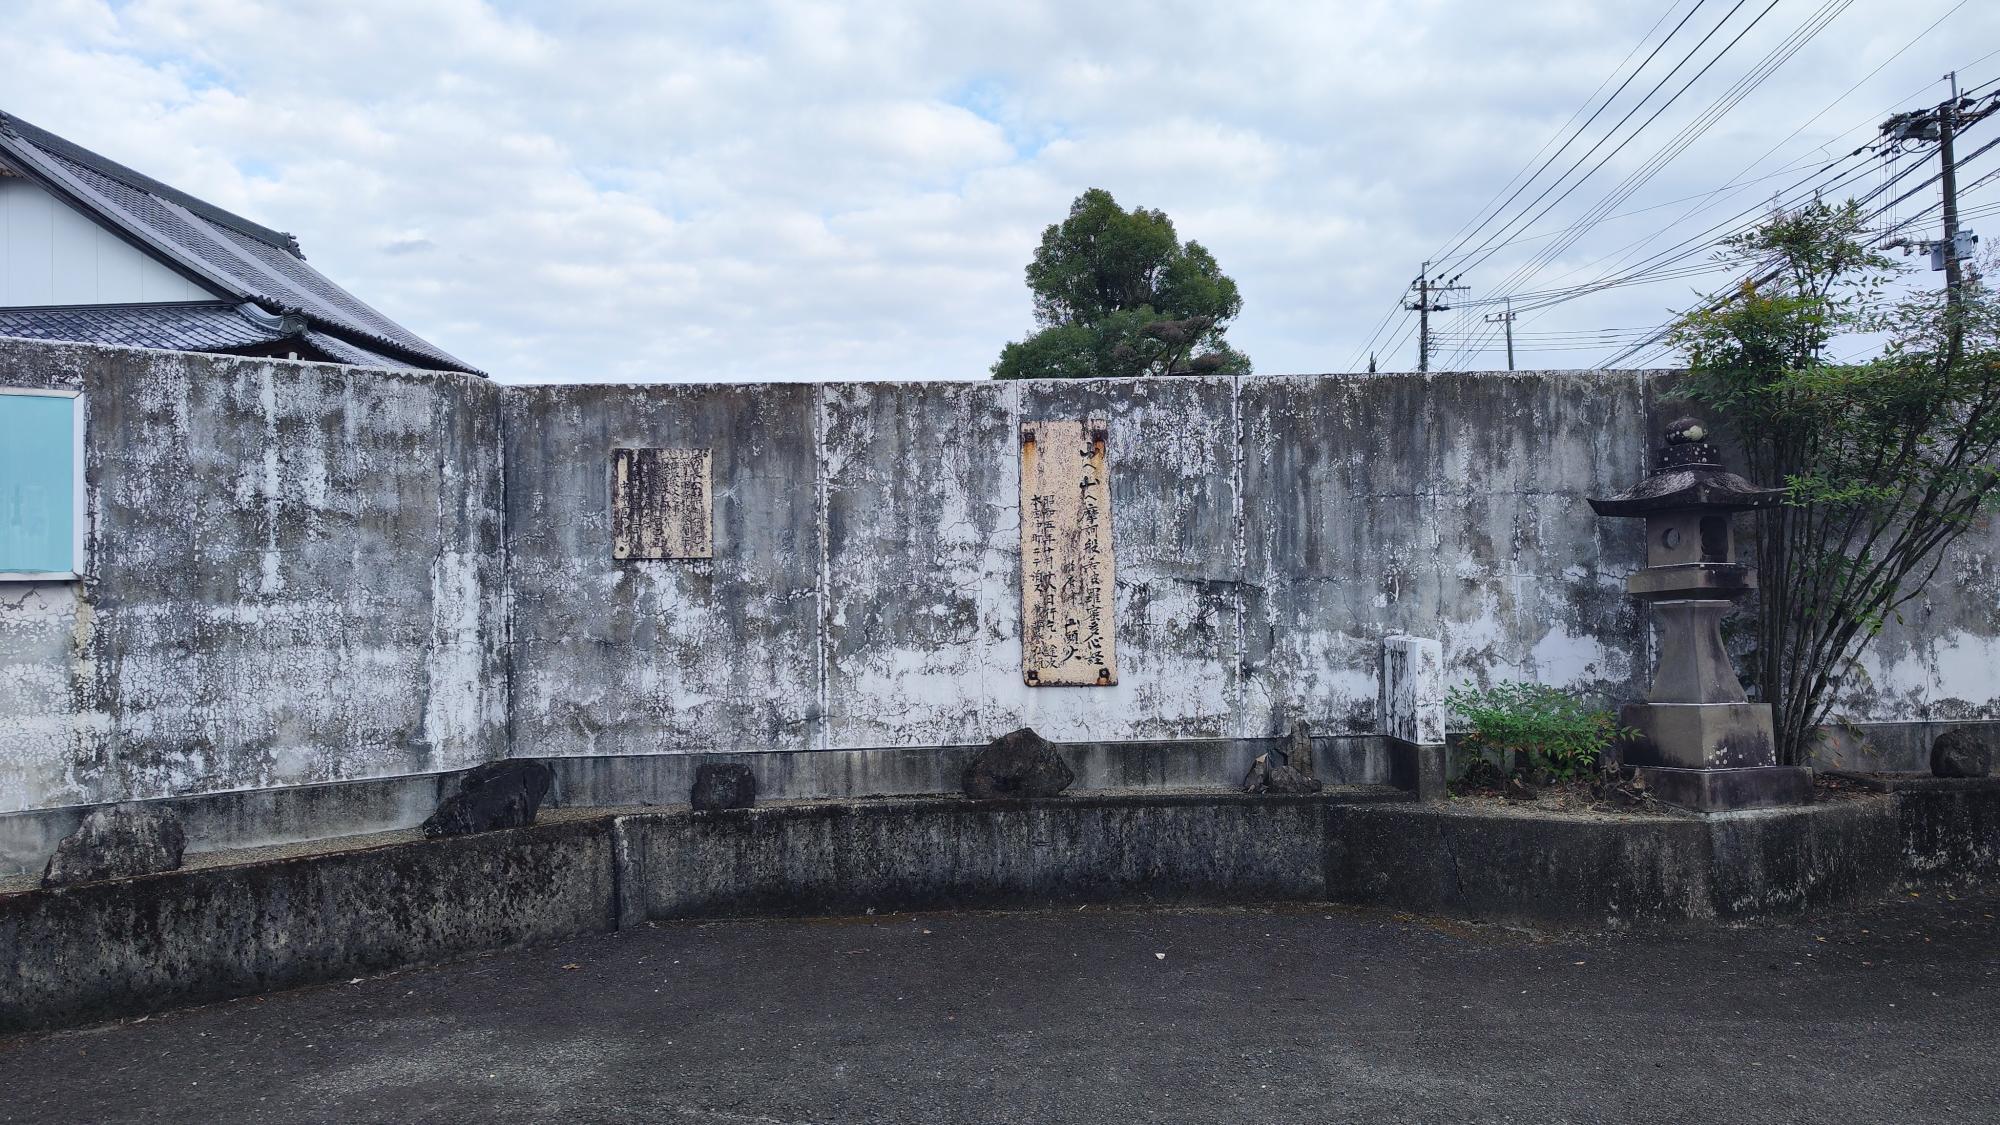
[(37, 484)]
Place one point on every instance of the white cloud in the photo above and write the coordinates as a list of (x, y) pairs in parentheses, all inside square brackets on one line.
[(787, 189)]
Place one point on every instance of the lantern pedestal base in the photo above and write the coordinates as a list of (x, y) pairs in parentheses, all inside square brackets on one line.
[(1699, 736), (1727, 790)]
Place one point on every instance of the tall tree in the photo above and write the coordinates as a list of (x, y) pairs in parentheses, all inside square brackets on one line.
[(1117, 293), (1887, 460)]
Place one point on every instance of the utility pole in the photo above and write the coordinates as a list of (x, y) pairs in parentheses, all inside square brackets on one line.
[(1426, 304), (1506, 318), (1947, 125), (1942, 124)]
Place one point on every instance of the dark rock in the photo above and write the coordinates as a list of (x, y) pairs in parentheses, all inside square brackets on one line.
[(1299, 749), (723, 786), (496, 795), (1272, 772), (1021, 764), (117, 842), (1518, 790), (1961, 752)]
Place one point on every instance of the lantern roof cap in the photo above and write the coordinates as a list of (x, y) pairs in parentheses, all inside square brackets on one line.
[(1688, 476)]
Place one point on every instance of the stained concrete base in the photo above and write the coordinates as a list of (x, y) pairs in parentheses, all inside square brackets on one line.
[(1728, 790), (1419, 769), (1491, 861), (1699, 735)]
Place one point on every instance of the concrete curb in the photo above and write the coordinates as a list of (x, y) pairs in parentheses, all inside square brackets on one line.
[(138, 945)]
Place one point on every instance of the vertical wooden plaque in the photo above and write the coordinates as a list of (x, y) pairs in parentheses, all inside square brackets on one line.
[(1068, 577)]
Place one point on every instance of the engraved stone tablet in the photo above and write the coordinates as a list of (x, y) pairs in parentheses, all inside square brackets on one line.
[(660, 504), (1068, 627)]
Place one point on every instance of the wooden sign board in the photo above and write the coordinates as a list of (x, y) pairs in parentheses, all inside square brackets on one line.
[(660, 504), (1068, 578)]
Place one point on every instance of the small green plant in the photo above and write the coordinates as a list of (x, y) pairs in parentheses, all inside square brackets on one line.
[(1542, 726)]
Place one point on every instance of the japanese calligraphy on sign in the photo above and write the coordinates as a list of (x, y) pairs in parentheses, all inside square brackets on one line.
[(1068, 625), (660, 504)]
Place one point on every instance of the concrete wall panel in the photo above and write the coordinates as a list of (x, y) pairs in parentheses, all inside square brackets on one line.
[(294, 577), (664, 656)]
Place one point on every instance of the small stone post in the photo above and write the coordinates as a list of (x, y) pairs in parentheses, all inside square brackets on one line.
[(1412, 714)]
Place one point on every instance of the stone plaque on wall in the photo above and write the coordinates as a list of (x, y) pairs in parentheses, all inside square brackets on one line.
[(1068, 624), (660, 504)]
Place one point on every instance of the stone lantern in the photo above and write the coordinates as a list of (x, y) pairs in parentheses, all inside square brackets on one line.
[(1701, 743)]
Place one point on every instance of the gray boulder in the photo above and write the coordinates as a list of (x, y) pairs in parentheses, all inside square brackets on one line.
[(1961, 752), (1021, 764), (1284, 771), (496, 795), (723, 786), (117, 842)]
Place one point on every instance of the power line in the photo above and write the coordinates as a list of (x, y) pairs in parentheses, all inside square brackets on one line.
[(1606, 104), (1476, 254), (1376, 333), (1757, 277), (1685, 137)]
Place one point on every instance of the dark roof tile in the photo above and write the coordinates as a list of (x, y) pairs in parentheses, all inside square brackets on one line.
[(247, 261)]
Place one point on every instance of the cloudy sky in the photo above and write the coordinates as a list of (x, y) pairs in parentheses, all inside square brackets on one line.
[(638, 191)]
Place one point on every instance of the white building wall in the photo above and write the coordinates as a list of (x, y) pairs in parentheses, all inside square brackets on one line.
[(50, 254)]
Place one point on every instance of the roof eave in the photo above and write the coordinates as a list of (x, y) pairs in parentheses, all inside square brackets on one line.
[(65, 187)]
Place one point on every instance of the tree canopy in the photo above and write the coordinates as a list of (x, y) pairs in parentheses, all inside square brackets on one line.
[(1118, 294), (1888, 460)]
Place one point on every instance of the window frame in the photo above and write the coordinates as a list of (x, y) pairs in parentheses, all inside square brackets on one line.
[(79, 505)]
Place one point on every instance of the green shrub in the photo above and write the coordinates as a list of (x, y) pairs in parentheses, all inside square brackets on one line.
[(1551, 728)]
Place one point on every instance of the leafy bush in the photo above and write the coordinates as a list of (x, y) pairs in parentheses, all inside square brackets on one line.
[(1551, 728)]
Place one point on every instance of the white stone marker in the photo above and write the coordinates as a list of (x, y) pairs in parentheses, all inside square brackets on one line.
[(1412, 692)]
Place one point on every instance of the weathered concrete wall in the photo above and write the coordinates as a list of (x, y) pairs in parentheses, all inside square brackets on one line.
[(1939, 659), (295, 576), (1447, 506), (865, 589), (299, 575), (648, 656)]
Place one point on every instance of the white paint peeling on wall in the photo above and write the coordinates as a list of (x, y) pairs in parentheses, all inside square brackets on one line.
[(459, 694), (44, 634)]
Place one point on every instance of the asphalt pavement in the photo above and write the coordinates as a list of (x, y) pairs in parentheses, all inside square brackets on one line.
[(1252, 1014)]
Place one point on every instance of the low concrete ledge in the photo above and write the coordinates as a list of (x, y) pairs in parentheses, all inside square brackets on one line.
[(947, 852), (138, 945), (1494, 862), (284, 814), (235, 926), (248, 818)]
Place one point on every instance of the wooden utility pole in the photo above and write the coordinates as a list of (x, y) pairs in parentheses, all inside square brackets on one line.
[(1947, 125), (1506, 318), (1942, 124), (1426, 304)]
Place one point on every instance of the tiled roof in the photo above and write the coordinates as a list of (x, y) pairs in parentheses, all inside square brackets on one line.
[(193, 326), (224, 251)]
